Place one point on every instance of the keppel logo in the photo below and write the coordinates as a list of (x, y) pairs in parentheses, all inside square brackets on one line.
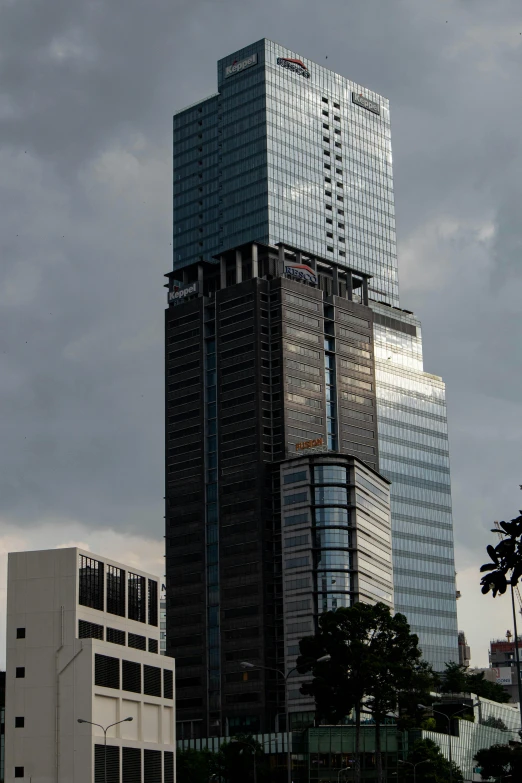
[(294, 65), (301, 272), (366, 103), (179, 294), (237, 67)]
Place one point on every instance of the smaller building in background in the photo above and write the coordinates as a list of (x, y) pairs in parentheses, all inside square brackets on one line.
[(502, 661), (82, 655), (464, 651)]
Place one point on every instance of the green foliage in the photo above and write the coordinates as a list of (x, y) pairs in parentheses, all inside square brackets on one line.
[(194, 766), (495, 723), (434, 767), (457, 680), (372, 654), (500, 760), (506, 559), (423, 683), (235, 760)]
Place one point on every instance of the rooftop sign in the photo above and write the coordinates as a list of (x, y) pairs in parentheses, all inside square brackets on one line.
[(294, 65), (309, 444), (301, 272), (242, 65), (366, 103), (178, 295)]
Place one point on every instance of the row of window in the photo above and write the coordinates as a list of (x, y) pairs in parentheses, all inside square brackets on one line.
[(132, 677), (133, 764), (88, 630), (93, 584)]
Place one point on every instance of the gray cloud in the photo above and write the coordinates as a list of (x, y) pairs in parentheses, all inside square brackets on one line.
[(88, 90)]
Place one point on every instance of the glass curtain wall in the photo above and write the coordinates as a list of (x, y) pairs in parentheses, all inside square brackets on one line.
[(414, 456)]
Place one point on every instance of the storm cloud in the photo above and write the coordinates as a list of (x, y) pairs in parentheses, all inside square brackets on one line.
[(87, 92)]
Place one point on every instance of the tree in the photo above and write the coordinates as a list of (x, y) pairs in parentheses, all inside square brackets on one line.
[(456, 679), (435, 770), (500, 761), (235, 760), (506, 557), (194, 766), (422, 685), (495, 723), (372, 655)]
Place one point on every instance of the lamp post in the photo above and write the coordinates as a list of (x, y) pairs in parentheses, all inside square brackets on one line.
[(252, 748), (249, 665), (448, 718), (411, 764), (81, 720)]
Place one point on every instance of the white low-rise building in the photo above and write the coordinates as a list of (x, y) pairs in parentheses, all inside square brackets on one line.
[(83, 645)]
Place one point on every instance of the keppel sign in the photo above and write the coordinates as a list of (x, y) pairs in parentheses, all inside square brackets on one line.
[(301, 272), (297, 66), (180, 294), (242, 65), (366, 103)]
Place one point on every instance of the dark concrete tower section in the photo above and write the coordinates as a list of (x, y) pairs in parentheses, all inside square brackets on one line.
[(269, 357)]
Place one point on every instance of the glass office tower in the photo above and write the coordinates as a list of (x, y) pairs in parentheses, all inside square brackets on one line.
[(288, 151)]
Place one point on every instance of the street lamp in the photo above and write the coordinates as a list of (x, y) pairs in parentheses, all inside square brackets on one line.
[(448, 718), (81, 720), (411, 764), (249, 665), (252, 748)]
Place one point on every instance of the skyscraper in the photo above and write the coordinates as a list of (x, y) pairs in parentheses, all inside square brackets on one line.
[(285, 175)]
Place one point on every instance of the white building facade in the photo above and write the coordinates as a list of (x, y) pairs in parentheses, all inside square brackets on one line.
[(83, 643)]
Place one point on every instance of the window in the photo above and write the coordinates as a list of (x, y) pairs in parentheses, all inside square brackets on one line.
[(325, 100), (340, 211), (325, 126), (336, 105), (153, 602), (106, 757), (327, 192), (300, 497), (153, 645), (330, 474), (297, 541), (19, 723), (19, 772), (91, 583), (340, 225), (137, 641), (152, 680), (326, 139), (20, 633), (131, 765), (115, 591), (168, 767), (106, 671), (131, 676), (326, 153), (327, 179), (327, 166), (168, 684), (136, 597), (88, 630), (337, 118), (292, 478), (115, 636), (338, 171), (331, 496), (297, 519), (329, 221), (20, 672), (297, 562)]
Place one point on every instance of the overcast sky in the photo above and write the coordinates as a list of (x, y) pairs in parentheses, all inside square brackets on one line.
[(87, 93)]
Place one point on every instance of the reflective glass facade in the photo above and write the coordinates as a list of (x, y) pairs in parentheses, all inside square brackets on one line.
[(414, 456), (285, 153)]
